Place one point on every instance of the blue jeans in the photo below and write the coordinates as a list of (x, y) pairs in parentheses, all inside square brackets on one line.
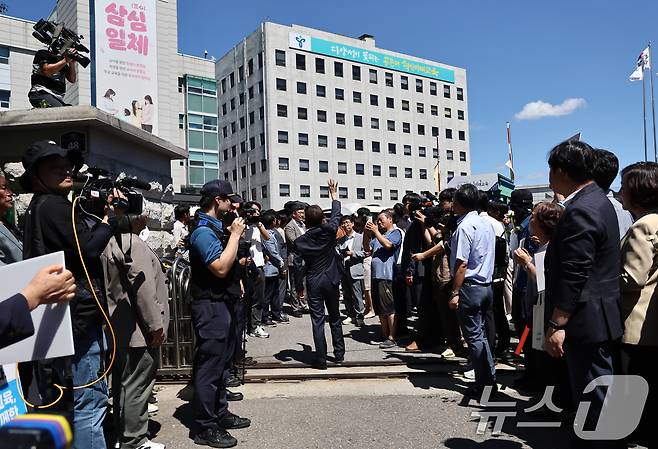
[(474, 301), (89, 404)]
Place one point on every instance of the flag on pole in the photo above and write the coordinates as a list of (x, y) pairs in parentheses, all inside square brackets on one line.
[(510, 158), (643, 62)]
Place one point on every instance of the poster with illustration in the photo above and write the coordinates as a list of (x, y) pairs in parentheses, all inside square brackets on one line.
[(125, 59)]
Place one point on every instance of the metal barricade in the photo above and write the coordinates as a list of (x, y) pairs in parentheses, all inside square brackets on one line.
[(177, 352)]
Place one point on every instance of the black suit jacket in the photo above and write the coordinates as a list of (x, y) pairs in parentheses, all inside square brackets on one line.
[(15, 321), (583, 268), (318, 248)]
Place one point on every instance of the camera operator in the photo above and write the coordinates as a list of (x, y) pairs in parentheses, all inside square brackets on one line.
[(49, 75), (216, 290), (49, 171), (51, 285)]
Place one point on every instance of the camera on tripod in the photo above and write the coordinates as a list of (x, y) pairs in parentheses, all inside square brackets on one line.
[(61, 40), (99, 184)]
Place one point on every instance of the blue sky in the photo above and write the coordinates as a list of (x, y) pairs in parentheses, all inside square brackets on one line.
[(515, 52)]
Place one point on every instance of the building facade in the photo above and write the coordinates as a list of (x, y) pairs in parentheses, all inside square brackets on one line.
[(299, 105)]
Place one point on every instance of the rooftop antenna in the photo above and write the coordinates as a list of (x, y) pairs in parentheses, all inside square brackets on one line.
[(205, 54)]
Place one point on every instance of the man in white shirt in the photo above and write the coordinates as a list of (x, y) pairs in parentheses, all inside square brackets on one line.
[(180, 231)]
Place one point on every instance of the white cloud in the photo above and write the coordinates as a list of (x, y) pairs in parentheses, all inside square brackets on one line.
[(539, 109)]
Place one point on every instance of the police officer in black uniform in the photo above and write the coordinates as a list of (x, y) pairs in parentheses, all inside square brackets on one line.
[(215, 289)]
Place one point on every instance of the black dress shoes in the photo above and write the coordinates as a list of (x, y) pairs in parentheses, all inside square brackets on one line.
[(232, 421), (319, 364), (230, 396), (233, 381), (215, 438)]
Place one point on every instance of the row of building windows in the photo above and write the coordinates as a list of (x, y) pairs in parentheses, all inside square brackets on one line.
[(343, 192), (341, 142), (282, 109), (359, 168), (373, 74), (244, 146), (229, 81)]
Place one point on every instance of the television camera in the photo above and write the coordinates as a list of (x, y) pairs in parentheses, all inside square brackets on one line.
[(99, 184), (61, 40)]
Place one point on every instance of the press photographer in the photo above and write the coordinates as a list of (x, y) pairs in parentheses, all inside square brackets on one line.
[(52, 67), (51, 225)]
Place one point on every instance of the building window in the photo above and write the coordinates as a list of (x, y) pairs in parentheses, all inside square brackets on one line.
[(460, 93), (252, 168), (342, 192), (322, 116), (356, 97), (304, 165), (356, 73), (407, 150), (342, 168), (373, 76), (323, 166), (374, 123), (422, 152), (404, 82), (447, 112), (283, 136), (301, 87), (377, 194), (462, 156), (226, 154), (393, 194), (224, 109), (393, 172), (375, 147), (223, 85), (435, 153), (241, 98), (260, 63), (435, 131), (451, 174), (421, 130), (338, 69), (280, 57), (341, 143), (360, 193), (376, 170), (6, 93), (434, 110), (263, 191), (305, 191), (322, 141), (234, 174), (251, 92), (262, 138), (260, 87), (405, 105), (243, 171), (281, 110), (408, 172), (263, 165), (340, 118), (388, 80), (302, 138), (284, 164), (391, 148), (319, 65), (284, 190), (300, 62), (422, 173), (374, 100), (390, 125), (390, 102), (324, 191), (462, 135), (360, 169), (420, 108), (432, 88), (460, 114), (358, 145), (252, 118), (261, 112), (450, 155), (448, 133), (232, 101), (250, 70), (302, 113), (233, 128), (358, 121), (320, 91), (231, 79), (446, 91), (419, 86), (463, 173), (280, 85), (340, 94), (252, 143)]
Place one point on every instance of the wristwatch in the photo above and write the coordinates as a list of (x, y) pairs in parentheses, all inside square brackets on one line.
[(553, 325)]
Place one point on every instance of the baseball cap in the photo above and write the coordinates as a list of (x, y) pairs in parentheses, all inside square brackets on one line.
[(521, 196), (219, 187), (44, 148)]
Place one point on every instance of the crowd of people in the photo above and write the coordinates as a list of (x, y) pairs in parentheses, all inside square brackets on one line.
[(577, 274)]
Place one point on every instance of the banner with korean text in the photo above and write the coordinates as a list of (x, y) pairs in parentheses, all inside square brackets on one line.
[(126, 61)]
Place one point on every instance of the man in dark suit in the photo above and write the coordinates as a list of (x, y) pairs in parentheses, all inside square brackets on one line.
[(582, 277), (324, 271)]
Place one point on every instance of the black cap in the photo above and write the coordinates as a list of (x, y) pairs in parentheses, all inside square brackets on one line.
[(44, 148), (219, 187), (521, 196)]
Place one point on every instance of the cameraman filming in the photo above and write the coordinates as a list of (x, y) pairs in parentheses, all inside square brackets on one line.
[(49, 75), (49, 228)]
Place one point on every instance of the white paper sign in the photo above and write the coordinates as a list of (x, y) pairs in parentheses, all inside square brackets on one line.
[(538, 318), (53, 335)]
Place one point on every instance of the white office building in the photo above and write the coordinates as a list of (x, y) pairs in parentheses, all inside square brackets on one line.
[(299, 105)]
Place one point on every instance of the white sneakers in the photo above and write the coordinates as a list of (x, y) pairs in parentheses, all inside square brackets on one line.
[(148, 444), (347, 320), (259, 332), (153, 409), (470, 374)]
